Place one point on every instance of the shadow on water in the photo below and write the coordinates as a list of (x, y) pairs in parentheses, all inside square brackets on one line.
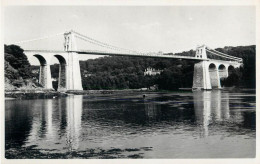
[(85, 127)]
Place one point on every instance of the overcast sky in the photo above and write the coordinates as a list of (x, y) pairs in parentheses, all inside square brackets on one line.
[(146, 29)]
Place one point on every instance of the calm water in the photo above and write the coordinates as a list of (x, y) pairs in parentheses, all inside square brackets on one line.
[(209, 124)]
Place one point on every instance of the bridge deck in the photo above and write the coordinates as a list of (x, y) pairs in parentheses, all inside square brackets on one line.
[(132, 54), (121, 54), (141, 55)]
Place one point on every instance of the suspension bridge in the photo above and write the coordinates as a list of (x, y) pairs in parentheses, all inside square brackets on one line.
[(207, 71)]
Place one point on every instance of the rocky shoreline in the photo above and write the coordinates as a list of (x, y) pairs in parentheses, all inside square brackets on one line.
[(33, 94), (44, 94)]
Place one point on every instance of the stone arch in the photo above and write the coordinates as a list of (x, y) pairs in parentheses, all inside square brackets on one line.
[(213, 73), (61, 59), (44, 72), (223, 73), (41, 59), (222, 69), (62, 82), (231, 69), (212, 67)]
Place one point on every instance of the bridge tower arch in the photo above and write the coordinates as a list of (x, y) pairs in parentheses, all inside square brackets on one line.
[(45, 72), (230, 69), (214, 75), (201, 52), (63, 79), (70, 43), (223, 71)]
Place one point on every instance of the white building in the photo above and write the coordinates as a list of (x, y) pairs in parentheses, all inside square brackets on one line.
[(151, 71)]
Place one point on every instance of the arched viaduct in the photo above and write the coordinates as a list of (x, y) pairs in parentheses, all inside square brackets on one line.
[(69, 69), (207, 72)]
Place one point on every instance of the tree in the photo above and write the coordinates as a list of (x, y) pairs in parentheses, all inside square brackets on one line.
[(128, 72), (17, 59)]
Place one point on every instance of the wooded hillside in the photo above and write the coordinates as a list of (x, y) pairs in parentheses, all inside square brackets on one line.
[(18, 73), (128, 72)]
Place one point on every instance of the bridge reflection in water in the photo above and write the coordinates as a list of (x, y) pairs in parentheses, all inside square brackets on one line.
[(153, 111), (55, 119), (74, 113), (210, 106), (77, 122)]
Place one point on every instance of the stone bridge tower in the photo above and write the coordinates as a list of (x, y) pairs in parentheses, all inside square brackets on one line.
[(73, 76), (207, 73), (201, 78)]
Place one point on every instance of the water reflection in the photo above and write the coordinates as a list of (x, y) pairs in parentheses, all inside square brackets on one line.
[(74, 112), (152, 111), (42, 125), (61, 105), (50, 131), (53, 118), (76, 123), (17, 123), (202, 107), (210, 107)]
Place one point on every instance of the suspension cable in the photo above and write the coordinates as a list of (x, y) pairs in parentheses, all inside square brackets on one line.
[(36, 39), (229, 56), (95, 43), (220, 54), (105, 44), (224, 56), (223, 53)]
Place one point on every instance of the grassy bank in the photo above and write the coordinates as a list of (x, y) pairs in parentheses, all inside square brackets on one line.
[(41, 94), (33, 94)]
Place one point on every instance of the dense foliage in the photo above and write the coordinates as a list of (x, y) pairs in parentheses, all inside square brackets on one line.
[(128, 72), (15, 57), (246, 75), (18, 71)]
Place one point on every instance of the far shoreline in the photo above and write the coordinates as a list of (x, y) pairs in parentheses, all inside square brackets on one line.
[(48, 94)]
